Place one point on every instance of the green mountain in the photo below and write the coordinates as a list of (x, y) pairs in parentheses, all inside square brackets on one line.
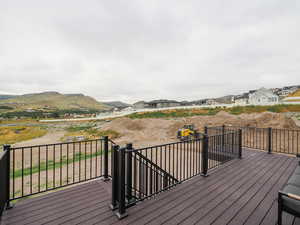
[(51, 101)]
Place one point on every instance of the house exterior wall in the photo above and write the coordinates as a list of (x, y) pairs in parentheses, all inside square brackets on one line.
[(140, 105), (241, 101), (167, 104), (263, 98)]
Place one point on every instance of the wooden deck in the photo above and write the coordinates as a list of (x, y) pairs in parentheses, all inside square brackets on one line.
[(240, 192)]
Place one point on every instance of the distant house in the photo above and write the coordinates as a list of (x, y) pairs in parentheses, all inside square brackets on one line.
[(284, 92), (241, 101), (211, 102), (162, 103), (263, 96), (141, 105)]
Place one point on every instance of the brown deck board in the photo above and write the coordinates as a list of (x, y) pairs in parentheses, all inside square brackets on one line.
[(239, 192), (245, 205), (260, 211), (185, 191), (198, 207), (232, 195)]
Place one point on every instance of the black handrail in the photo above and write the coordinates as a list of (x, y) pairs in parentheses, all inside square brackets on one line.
[(156, 166)]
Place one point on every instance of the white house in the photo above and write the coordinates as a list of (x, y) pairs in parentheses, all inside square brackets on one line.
[(241, 101), (263, 96)]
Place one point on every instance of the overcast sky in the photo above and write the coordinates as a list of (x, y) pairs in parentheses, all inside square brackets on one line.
[(142, 50)]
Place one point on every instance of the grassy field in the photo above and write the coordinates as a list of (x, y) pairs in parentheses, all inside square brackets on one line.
[(237, 110), (11, 135)]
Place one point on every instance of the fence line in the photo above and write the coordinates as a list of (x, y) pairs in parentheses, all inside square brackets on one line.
[(41, 168), (267, 139)]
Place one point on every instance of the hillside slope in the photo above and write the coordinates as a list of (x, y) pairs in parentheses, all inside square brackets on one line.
[(53, 101), (295, 94)]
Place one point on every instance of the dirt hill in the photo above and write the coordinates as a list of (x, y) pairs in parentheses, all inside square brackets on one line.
[(144, 132)]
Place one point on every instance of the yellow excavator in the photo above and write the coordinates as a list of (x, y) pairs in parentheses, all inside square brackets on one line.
[(187, 132)]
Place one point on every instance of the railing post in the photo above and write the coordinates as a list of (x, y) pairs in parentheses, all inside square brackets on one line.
[(121, 195), (7, 148), (270, 140), (204, 156), (206, 130), (223, 136), (165, 181), (240, 143), (129, 173), (105, 175), (114, 174)]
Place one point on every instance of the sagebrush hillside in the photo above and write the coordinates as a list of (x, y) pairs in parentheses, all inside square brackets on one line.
[(48, 101)]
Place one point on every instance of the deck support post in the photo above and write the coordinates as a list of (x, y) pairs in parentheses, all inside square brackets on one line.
[(121, 213), (105, 175), (114, 173), (270, 140), (204, 156), (223, 136)]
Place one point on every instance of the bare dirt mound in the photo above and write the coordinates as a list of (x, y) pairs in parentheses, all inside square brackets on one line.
[(145, 132)]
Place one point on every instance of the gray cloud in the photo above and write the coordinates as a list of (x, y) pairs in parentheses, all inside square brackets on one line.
[(148, 49)]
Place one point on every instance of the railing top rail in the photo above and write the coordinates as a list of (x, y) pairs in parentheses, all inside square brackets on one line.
[(162, 145), (61, 143), (286, 129), (252, 127), (226, 133)]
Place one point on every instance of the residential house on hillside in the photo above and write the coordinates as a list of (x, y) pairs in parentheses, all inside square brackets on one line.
[(211, 102), (263, 96), (284, 92), (241, 100), (141, 105), (162, 103)]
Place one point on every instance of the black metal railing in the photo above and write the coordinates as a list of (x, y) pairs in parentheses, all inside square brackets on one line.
[(268, 139), (148, 178), (41, 168), (4, 180), (138, 174), (224, 147)]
